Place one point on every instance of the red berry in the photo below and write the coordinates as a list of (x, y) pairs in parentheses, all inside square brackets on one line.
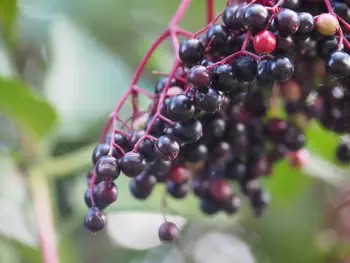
[(264, 42), (179, 174), (220, 190)]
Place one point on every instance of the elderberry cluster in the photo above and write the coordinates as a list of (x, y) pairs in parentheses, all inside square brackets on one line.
[(215, 123)]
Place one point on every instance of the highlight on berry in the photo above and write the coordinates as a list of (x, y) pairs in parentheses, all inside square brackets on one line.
[(238, 99)]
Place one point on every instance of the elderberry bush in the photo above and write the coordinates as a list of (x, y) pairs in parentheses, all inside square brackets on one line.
[(215, 123)]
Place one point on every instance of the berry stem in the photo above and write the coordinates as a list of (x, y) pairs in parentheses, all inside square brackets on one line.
[(44, 218), (210, 10)]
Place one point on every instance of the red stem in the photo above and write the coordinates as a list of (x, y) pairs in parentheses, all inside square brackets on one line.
[(210, 11)]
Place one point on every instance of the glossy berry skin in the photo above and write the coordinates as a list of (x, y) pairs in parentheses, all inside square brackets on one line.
[(194, 153), (264, 77), (264, 42), (191, 51), (235, 169), (178, 191), (208, 101), (146, 149), (220, 190), (245, 68), (132, 164), (105, 193), (281, 68), (255, 17), (167, 148), (108, 167), (283, 44), (141, 186), (259, 200), (286, 22), (326, 46), (218, 36), (168, 232), (159, 167), (232, 205), (188, 132), (338, 64), (135, 136), (119, 139), (223, 78), (103, 150), (294, 138), (209, 207), (199, 76), (94, 220), (87, 198), (343, 152), (232, 16), (306, 23), (180, 108), (327, 24), (161, 83), (342, 10)]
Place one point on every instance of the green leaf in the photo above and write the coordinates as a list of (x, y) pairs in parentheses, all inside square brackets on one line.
[(8, 12), (26, 107), (322, 141), (286, 183)]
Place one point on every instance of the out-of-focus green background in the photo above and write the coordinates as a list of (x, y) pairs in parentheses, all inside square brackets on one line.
[(63, 66)]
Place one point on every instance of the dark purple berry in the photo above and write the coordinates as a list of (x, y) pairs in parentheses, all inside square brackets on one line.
[(146, 148), (194, 153), (209, 207), (343, 152), (232, 16), (141, 186), (232, 204), (218, 37), (281, 68), (191, 51), (105, 194), (255, 17), (199, 76), (306, 23), (103, 150), (180, 108), (338, 64), (208, 101), (167, 148), (132, 164), (168, 232), (286, 22), (108, 167), (94, 220), (245, 68), (188, 132), (178, 191), (223, 78), (159, 167)]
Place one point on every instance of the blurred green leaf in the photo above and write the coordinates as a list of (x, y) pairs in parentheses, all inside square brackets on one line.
[(85, 80), (26, 107), (16, 212), (286, 183), (8, 10), (322, 141)]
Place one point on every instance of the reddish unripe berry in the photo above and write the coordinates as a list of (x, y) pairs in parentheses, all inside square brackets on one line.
[(264, 42), (298, 159), (220, 190), (327, 24), (179, 174)]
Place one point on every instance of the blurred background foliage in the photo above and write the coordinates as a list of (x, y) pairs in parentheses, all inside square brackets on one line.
[(63, 66)]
